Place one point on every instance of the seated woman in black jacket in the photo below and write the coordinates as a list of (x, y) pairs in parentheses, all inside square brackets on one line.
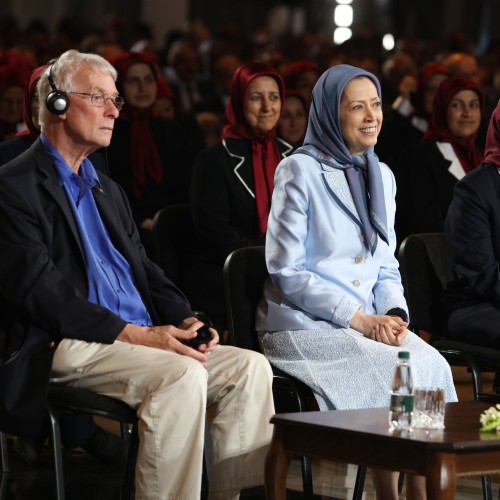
[(233, 182), (428, 172)]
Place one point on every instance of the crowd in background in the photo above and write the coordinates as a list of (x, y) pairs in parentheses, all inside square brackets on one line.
[(176, 97)]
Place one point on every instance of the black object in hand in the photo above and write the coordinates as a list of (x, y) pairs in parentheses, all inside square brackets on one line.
[(204, 336)]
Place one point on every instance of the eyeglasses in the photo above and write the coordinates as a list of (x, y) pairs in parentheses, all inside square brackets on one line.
[(100, 100)]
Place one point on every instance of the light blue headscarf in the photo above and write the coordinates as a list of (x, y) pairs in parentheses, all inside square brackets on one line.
[(325, 143)]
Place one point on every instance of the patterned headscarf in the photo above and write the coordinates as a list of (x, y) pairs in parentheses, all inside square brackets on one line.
[(325, 143), (265, 153), (465, 148)]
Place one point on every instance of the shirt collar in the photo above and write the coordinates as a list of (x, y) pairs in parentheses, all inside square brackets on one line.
[(87, 171)]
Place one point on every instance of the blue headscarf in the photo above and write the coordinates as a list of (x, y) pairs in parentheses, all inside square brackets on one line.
[(325, 143)]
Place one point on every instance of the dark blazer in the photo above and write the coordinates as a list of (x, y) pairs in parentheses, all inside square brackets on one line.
[(223, 198), (43, 273), (225, 218), (473, 229), (424, 190)]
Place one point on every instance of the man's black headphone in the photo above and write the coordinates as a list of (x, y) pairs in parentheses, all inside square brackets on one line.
[(57, 101)]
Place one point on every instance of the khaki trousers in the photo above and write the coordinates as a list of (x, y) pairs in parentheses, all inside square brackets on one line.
[(171, 393)]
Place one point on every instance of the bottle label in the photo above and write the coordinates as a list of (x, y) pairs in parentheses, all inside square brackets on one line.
[(402, 402)]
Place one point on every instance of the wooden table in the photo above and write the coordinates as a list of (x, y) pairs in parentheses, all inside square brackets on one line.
[(363, 437)]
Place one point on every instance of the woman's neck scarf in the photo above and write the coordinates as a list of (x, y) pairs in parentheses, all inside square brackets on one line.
[(465, 148), (325, 143), (492, 154), (31, 132), (144, 155), (265, 153)]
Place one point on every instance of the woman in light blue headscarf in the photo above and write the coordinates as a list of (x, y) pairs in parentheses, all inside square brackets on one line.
[(333, 312)]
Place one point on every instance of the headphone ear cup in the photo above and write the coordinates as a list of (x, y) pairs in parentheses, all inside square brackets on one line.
[(57, 102)]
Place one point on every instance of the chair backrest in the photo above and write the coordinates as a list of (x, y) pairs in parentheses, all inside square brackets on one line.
[(173, 232), (245, 272), (426, 264)]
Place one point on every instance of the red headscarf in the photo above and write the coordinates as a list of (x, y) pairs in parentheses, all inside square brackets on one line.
[(492, 154), (265, 153), (423, 76), (144, 153), (29, 94), (296, 69), (465, 148)]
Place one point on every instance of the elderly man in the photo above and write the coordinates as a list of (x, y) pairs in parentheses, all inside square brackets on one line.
[(74, 272)]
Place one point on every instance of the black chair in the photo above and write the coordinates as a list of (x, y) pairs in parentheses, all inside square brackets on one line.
[(173, 230), (427, 263), (64, 400), (245, 272)]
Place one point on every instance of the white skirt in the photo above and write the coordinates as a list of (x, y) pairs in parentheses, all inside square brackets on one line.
[(346, 370)]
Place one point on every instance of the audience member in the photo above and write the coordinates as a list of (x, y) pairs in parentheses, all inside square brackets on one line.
[(463, 65), (222, 74), (150, 157), (165, 105), (407, 120), (99, 315), (333, 313), (429, 171), (233, 182), (12, 83), (293, 122), (77, 431), (467, 66), (184, 75), (395, 69), (472, 304), (302, 75)]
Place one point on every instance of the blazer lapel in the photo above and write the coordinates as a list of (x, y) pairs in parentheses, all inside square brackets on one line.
[(338, 186), (50, 182)]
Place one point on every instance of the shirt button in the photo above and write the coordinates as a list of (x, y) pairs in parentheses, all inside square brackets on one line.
[(356, 283), (358, 259)]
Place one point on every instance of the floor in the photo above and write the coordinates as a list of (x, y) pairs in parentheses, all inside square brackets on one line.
[(89, 479)]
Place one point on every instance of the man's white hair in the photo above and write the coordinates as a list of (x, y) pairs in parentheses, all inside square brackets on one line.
[(63, 71)]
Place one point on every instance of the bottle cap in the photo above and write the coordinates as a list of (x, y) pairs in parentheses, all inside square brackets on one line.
[(403, 355)]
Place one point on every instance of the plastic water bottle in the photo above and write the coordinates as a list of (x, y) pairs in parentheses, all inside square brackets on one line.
[(401, 408)]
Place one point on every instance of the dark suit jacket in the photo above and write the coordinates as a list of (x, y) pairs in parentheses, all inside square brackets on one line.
[(43, 272), (424, 190), (473, 229)]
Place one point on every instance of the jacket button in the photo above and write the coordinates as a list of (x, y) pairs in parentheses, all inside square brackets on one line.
[(356, 283), (358, 259)]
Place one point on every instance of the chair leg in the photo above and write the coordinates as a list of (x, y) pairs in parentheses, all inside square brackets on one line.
[(487, 494), (307, 482), (57, 452), (359, 485), (128, 484), (4, 479), (4, 453)]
